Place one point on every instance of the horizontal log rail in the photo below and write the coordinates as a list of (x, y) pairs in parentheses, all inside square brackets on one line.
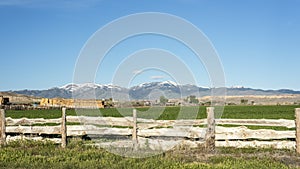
[(149, 123), (222, 133)]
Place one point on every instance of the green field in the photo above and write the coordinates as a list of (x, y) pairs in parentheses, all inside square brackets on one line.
[(169, 113), (45, 155)]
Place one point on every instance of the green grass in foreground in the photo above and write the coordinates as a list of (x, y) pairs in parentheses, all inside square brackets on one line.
[(169, 113), (29, 154)]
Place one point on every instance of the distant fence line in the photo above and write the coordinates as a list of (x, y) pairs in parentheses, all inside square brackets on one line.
[(214, 135)]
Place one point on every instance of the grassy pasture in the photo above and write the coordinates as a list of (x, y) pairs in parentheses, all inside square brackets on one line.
[(29, 154), (169, 113)]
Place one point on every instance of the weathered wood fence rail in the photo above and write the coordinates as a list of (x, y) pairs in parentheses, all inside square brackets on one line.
[(206, 129)]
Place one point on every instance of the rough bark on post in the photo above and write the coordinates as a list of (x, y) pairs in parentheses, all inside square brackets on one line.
[(134, 130), (63, 128), (3, 127), (297, 122), (210, 132)]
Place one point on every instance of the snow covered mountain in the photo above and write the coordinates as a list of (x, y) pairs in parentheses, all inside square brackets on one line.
[(154, 90), (88, 86), (149, 91), (98, 91)]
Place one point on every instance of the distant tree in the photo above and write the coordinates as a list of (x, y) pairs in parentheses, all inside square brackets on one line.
[(163, 100), (192, 99), (244, 101)]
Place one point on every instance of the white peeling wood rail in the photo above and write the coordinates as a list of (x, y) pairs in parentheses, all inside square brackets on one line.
[(222, 133), (149, 123)]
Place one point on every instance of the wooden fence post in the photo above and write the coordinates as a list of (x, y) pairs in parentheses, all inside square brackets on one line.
[(210, 132), (297, 123), (3, 127), (134, 130), (63, 128), (1, 101)]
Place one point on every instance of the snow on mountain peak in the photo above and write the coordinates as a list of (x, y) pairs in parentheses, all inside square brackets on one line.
[(73, 87), (237, 87), (86, 86), (149, 84), (69, 87), (169, 82)]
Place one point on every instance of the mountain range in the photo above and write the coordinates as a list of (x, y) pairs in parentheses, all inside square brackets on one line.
[(149, 91)]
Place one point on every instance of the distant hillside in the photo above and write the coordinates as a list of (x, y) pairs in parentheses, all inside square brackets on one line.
[(149, 91)]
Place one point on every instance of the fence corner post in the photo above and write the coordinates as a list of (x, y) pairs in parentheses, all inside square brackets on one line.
[(3, 127), (63, 128), (210, 132), (134, 129), (297, 124)]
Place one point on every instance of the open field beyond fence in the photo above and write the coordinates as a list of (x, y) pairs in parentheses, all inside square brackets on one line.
[(170, 113)]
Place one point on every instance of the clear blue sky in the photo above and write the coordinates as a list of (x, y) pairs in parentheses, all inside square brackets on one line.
[(258, 41)]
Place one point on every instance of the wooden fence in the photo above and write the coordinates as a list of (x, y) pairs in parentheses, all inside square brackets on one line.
[(209, 130)]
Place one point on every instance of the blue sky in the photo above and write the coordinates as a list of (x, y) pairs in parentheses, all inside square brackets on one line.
[(257, 40)]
